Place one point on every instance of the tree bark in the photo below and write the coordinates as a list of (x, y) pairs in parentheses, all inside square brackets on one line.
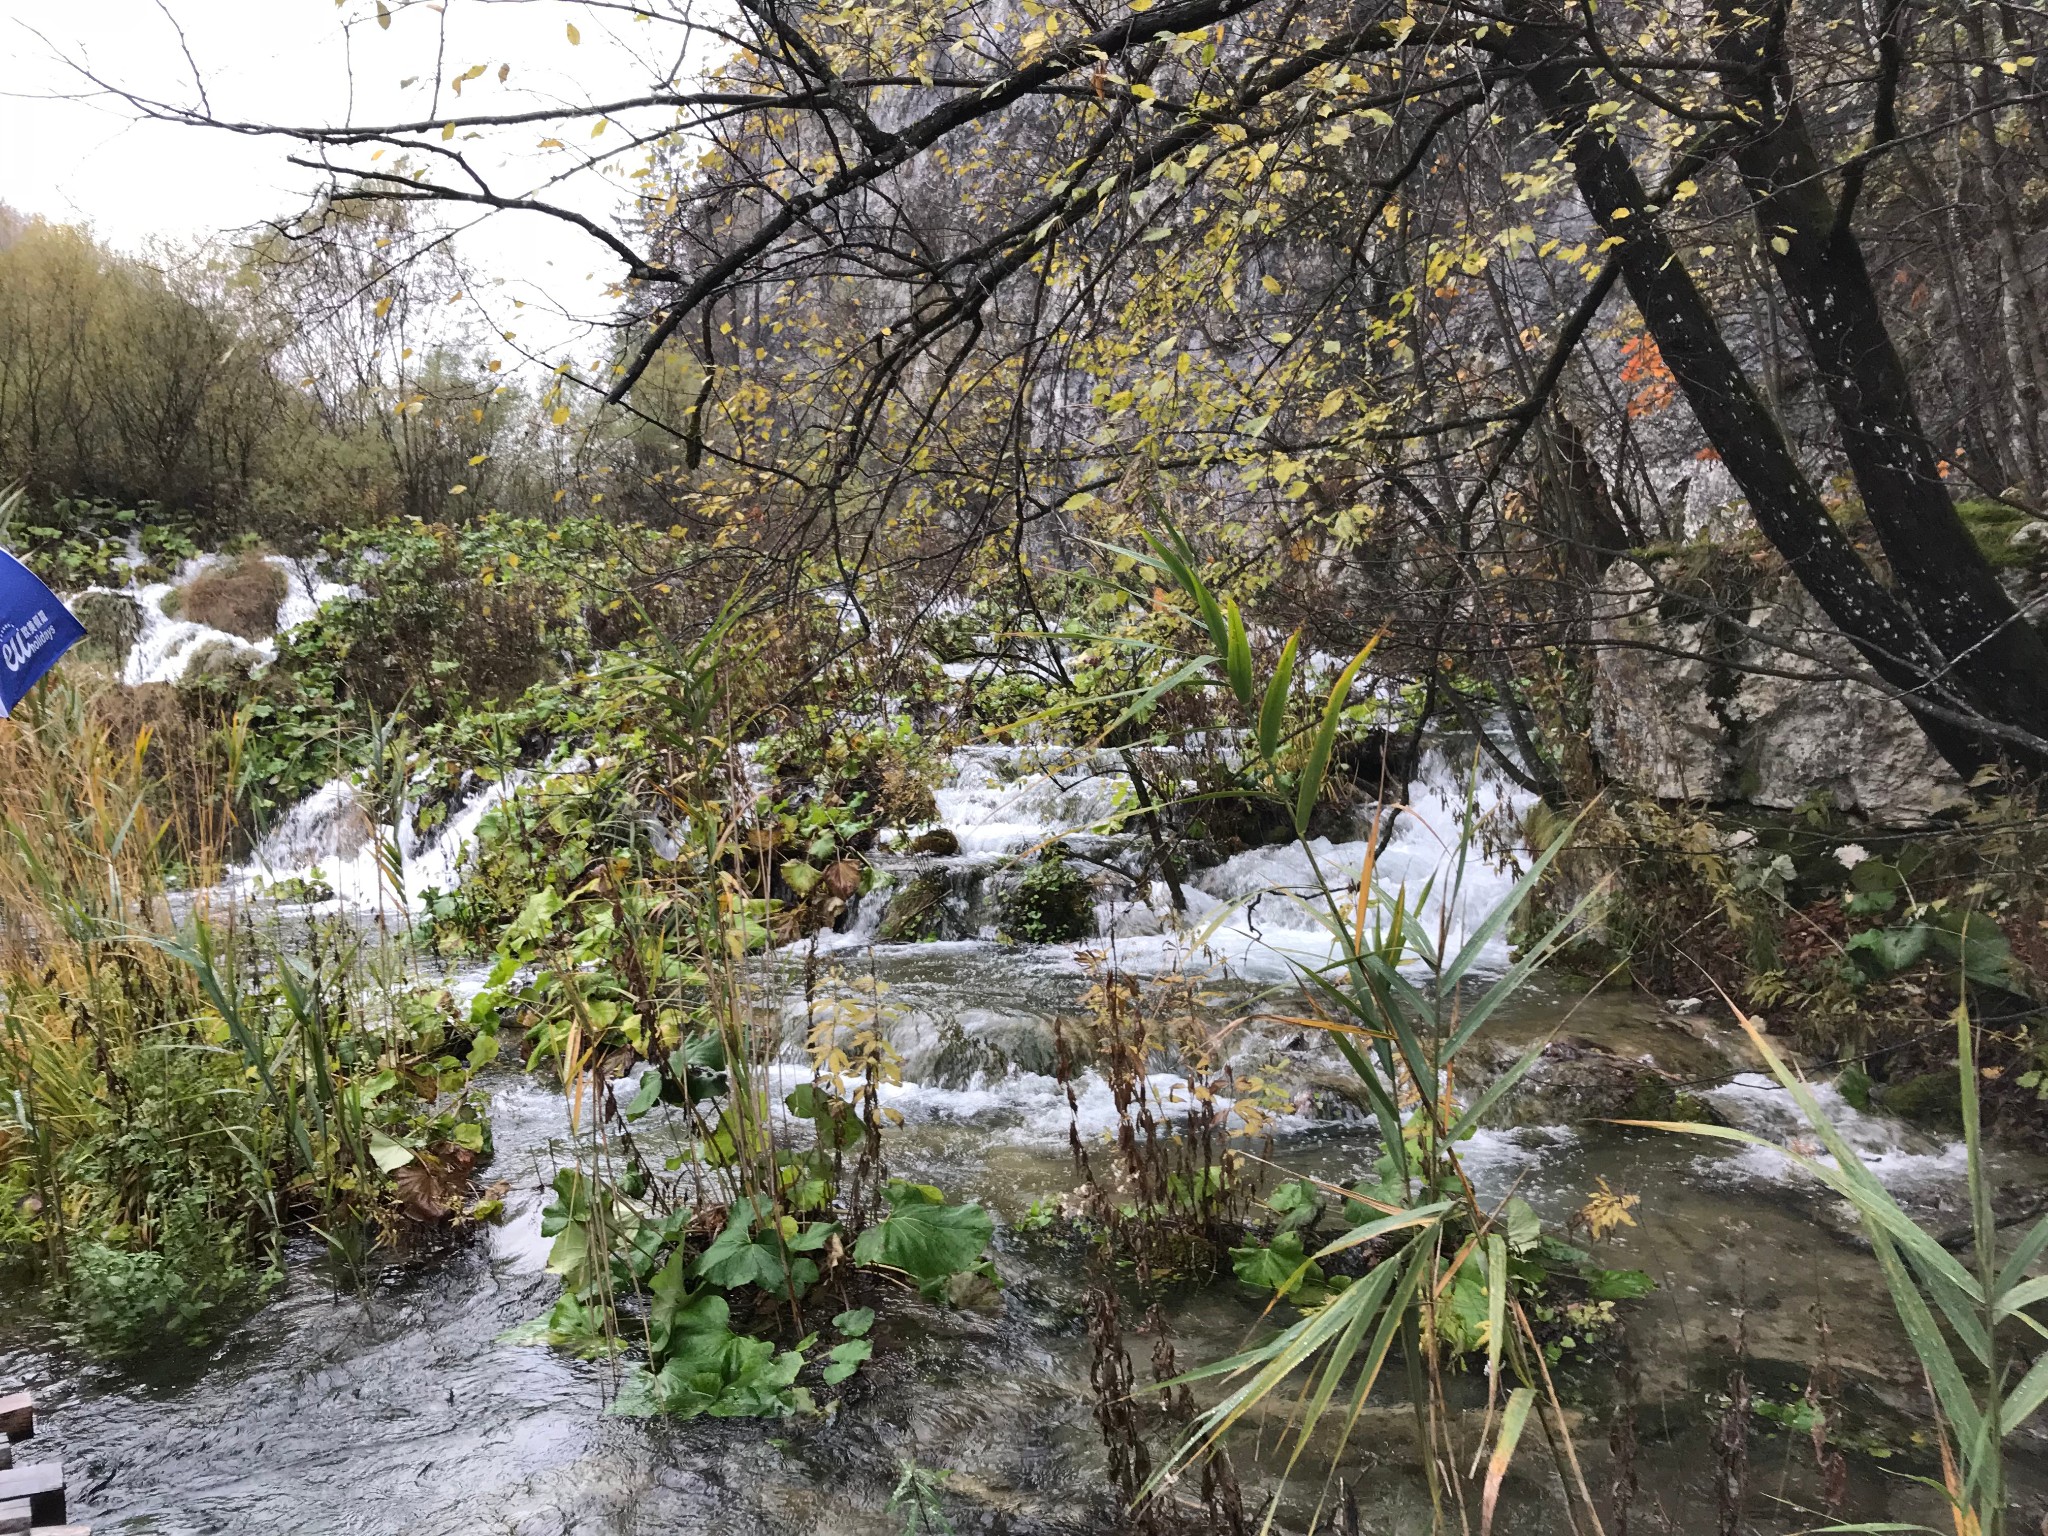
[(1996, 660), (1748, 438)]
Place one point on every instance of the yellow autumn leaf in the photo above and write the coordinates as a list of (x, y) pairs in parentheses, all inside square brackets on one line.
[(575, 37), (384, 306), (447, 131), (602, 124), (457, 490), (561, 415), (383, 15)]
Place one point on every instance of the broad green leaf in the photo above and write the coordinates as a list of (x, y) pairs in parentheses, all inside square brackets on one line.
[(846, 1359), (388, 1154), (1618, 1284), (855, 1323), (924, 1238)]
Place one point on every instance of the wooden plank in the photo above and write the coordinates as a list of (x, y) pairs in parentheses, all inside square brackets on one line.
[(6, 1455), (60, 1530), (41, 1483), (17, 1416), (14, 1517)]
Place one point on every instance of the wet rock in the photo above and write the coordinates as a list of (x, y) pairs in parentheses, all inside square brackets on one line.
[(935, 844), (917, 913), (220, 669), (1577, 1079), (1931, 1099), (1053, 904)]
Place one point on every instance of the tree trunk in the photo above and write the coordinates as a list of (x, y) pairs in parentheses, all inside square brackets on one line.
[(1748, 438), (1995, 658)]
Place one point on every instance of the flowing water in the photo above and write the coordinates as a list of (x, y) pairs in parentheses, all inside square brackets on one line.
[(383, 1404)]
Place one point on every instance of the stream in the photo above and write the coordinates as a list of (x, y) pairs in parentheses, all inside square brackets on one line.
[(383, 1403)]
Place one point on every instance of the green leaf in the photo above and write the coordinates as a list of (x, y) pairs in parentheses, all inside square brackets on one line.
[(1279, 1266), (1511, 1423), (1237, 652), (925, 1238), (388, 1154), (646, 1095), (854, 1324), (1891, 950), (735, 1258), (1273, 713), (846, 1359), (1618, 1284), (1524, 1228), (1325, 742)]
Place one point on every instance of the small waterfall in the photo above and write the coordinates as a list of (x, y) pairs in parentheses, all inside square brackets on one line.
[(1904, 1160), (1255, 914), (332, 839), (165, 646)]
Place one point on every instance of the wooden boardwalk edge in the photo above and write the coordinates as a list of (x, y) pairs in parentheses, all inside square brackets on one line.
[(32, 1493)]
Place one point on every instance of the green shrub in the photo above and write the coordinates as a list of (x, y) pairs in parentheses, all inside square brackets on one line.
[(1053, 904)]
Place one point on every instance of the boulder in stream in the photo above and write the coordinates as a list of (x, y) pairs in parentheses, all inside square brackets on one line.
[(938, 843), (1053, 904), (112, 620), (917, 913)]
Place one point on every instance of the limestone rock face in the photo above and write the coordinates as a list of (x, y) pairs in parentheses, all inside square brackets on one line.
[(1738, 697), (1655, 724)]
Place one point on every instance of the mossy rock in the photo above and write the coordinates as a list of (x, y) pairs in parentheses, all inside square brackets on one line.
[(1053, 904), (219, 669), (2009, 538), (935, 844), (1931, 1099), (112, 620), (917, 913)]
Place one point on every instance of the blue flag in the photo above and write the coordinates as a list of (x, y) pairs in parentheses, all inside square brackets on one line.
[(35, 629)]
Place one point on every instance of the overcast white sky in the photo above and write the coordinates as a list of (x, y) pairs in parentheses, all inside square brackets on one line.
[(69, 157)]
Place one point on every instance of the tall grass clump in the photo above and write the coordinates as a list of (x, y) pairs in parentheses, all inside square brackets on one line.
[(1424, 1272), (178, 1087)]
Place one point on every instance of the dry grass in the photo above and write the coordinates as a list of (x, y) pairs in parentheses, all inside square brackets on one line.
[(240, 597)]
